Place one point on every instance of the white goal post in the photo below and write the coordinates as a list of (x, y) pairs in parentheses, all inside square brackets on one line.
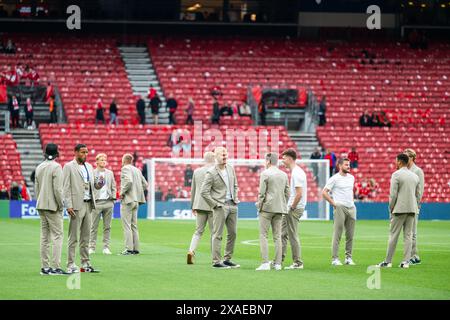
[(170, 173)]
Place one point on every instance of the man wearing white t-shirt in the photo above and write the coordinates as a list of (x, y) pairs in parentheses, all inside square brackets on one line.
[(296, 207), (341, 187)]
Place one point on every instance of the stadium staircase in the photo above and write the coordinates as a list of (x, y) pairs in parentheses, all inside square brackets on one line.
[(306, 142), (141, 75), (30, 149)]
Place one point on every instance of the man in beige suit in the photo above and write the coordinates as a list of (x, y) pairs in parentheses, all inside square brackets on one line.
[(220, 190), (49, 184), (105, 198), (200, 208), (419, 172), (79, 199), (132, 186), (403, 206), (272, 204)]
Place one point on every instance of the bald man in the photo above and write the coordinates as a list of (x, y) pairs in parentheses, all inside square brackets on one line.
[(200, 208), (132, 186), (220, 190)]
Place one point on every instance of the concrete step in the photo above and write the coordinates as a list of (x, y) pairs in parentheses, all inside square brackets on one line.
[(143, 80), (143, 54), (140, 72), (136, 60), (139, 66), (132, 49)]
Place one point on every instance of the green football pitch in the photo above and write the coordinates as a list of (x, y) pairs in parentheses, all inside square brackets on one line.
[(161, 272)]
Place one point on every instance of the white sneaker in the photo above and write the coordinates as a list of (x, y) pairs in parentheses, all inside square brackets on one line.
[(91, 251), (336, 262), (349, 261), (264, 267), (106, 251), (73, 269), (404, 265), (294, 266), (384, 265), (277, 267)]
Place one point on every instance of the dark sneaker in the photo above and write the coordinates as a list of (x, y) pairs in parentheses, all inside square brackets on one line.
[(231, 264), (58, 272), (46, 271), (190, 257), (126, 253), (221, 266), (88, 269), (414, 261), (136, 252), (384, 265)]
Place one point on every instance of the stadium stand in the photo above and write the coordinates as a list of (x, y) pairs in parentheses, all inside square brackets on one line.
[(10, 168)]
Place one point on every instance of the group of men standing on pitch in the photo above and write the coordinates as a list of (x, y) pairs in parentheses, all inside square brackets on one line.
[(86, 194), (282, 201)]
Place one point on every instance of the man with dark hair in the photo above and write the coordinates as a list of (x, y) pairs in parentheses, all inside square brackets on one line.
[(341, 185), (403, 207), (172, 105), (295, 208), (140, 108), (80, 200), (49, 184), (419, 172)]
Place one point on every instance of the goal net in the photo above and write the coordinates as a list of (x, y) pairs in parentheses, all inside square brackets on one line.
[(170, 185)]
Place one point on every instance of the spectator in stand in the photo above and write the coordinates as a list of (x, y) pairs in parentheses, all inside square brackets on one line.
[(155, 104), (158, 194), (172, 104), (10, 47), (353, 156), (50, 92), (151, 92), (322, 111), (226, 109), (140, 108), (215, 119), (4, 195), (362, 190), (169, 195), (24, 192), (14, 192), (384, 120), (113, 112), (100, 113), (244, 110), (14, 109), (316, 155), (181, 193), (262, 111), (216, 92), (332, 158), (52, 110), (188, 173), (29, 114), (375, 120), (373, 188), (365, 120), (190, 111)]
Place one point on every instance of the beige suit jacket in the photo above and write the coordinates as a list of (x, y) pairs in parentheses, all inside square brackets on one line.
[(73, 185), (214, 189), (132, 185), (404, 193), (110, 184), (197, 201), (49, 186), (419, 173), (273, 191)]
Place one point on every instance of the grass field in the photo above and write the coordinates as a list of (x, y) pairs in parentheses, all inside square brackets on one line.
[(161, 272)]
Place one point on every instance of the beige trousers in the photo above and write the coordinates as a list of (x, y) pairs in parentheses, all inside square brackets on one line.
[(289, 231), (203, 217), (104, 209), (414, 250), (344, 217), (224, 216), (400, 221), (128, 213), (51, 234), (267, 220), (80, 228)]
